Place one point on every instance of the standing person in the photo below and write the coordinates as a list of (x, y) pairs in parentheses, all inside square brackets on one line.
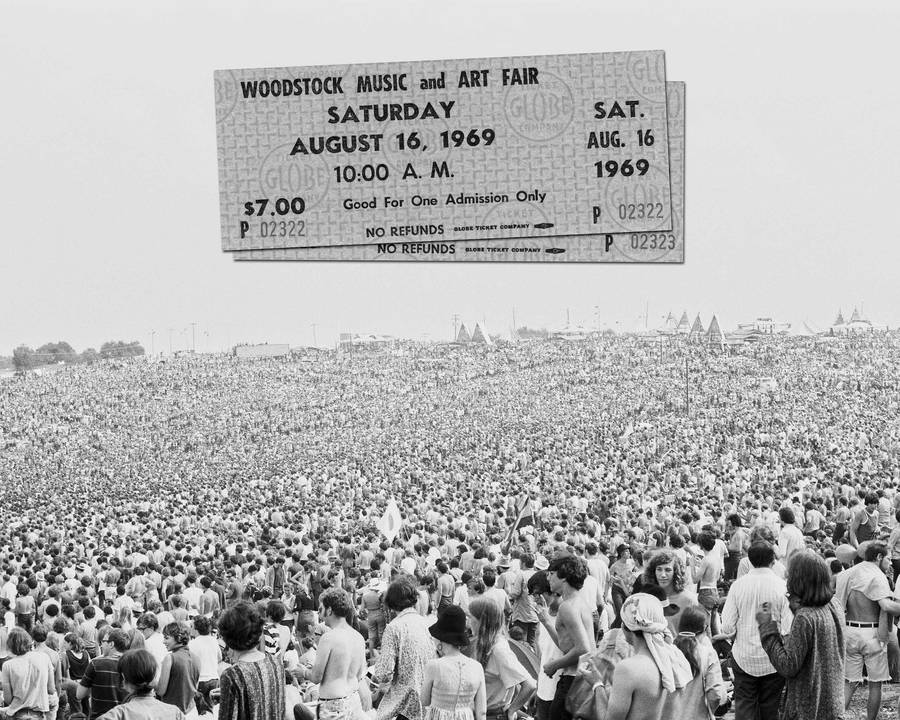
[(621, 576), (842, 517), (508, 685), (863, 592), (25, 607), (454, 686), (790, 539), (372, 602), (138, 668), (74, 661), (405, 649), (700, 698), (811, 656), (206, 648), (667, 571), (26, 679), (757, 685), (642, 681), (253, 687), (445, 586), (738, 544), (708, 575), (340, 660), (547, 605), (574, 629), (179, 673), (524, 614), (148, 625), (101, 679), (864, 524)]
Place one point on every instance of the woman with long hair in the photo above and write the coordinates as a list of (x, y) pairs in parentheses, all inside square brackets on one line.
[(811, 656), (665, 569), (508, 685), (700, 698)]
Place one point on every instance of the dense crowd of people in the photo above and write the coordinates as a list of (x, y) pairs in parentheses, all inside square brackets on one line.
[(612, 528)]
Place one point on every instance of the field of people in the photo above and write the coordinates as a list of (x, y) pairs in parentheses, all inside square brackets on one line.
[(159, 492)]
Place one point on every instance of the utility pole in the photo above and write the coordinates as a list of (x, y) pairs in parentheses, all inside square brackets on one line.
[(193, 337), (455, 319), (171, 330), (152, 335), (314, 326), (515, 329), (687, 388)]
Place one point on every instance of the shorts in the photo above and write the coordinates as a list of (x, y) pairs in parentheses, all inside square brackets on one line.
[(862, 647), (345, 708), (708, 598)]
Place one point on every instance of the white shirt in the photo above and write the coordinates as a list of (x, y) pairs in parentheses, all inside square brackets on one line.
[(789, 541), (206, 648), (739, 617), (546, 685), (592, 593), (156, 647)]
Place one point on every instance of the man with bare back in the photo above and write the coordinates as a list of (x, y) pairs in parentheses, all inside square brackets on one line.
[(574, 627), (340, 660), (641, 682)]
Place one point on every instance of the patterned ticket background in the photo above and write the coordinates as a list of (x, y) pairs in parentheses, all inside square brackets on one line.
[(652, 246), (441, 151)]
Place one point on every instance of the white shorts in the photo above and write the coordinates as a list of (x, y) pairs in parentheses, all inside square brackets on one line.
[(862, 647)]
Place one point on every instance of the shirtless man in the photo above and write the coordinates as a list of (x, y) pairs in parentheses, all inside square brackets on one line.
[(641, 682), (863, 592), (573, 630), (340, 660)]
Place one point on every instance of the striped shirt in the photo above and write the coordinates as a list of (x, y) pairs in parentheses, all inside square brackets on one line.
[(739, 617)]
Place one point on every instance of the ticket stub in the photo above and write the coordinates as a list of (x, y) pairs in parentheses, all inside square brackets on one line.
[(652, 246), (443, 151)]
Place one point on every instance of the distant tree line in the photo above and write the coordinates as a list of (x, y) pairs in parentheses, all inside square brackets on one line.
[(24, 358)]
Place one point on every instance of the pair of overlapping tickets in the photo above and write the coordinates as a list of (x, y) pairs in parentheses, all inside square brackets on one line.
[(559, 158)]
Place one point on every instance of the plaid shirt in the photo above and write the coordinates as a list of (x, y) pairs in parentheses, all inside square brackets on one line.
[(739, 617)]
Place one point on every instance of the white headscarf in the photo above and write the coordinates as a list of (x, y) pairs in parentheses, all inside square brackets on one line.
[(644, 613)]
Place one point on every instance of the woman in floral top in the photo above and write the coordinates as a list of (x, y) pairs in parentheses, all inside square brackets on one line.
[(405, 649)]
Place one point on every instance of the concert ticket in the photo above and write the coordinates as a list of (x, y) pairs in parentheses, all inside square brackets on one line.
[(441, 151), (653, 246)]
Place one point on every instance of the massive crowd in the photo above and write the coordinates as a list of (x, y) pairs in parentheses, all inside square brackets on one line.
[(201, 535)]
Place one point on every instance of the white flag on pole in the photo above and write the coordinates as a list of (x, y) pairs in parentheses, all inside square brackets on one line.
[(391, 521)]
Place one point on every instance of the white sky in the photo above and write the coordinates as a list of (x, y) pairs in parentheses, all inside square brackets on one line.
[(108, 179)]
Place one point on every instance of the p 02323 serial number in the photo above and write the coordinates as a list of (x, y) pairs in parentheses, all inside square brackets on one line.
[(653, 241)]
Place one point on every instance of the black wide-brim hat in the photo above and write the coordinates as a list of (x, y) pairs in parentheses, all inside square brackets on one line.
[(451, 626)]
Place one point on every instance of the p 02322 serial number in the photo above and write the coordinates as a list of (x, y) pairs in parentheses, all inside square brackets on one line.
[(282, 228), (640, 211)]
